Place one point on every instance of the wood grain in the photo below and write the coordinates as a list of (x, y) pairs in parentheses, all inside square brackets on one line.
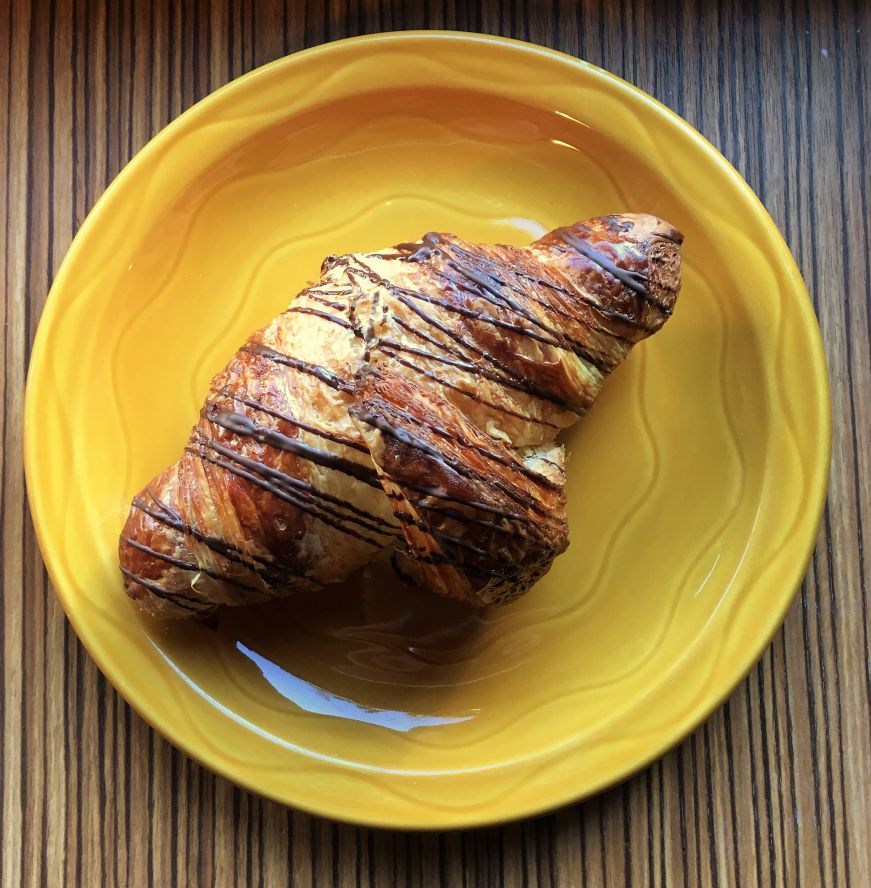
[(774, 789)]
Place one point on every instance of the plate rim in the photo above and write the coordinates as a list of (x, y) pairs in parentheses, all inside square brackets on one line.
[(806, 535)]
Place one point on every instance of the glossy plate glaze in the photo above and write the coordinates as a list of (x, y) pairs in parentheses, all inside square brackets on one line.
[(695, 484)]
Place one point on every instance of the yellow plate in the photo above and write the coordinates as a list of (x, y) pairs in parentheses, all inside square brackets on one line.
[(695, 484)]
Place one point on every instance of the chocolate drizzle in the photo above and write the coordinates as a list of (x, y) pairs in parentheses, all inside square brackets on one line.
[(431, 245), (298, 423), (320, 373), (243, 425), (490, 286), (267, 569), (506, 377), (604, 311), (633, 280), (282, 486), (323, 315), (176, 598), (380, 421), (466, 519), (329, 303), (503, 459), (435, 493), (474, 396), (420, 251), (185, 565), (487, 284)]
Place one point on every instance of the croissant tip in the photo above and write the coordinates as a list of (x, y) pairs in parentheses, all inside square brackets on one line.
[(643, 225)]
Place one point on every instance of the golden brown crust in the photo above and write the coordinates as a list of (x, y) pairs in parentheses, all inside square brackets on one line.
[(478, 520), (407, 402)]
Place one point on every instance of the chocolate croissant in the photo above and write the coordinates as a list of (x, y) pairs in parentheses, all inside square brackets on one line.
[(404, 406)]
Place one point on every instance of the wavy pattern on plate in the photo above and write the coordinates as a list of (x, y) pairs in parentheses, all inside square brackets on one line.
[(702, 467)]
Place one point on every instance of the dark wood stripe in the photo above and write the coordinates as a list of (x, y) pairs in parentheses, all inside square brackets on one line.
[(857, 438), (860, 115), (696, 830), (733, 811), (754, 782), (811, 697), (682, 816), (709, 809)]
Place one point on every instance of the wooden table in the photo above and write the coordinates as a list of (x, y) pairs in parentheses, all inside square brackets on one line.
[(774, 789)]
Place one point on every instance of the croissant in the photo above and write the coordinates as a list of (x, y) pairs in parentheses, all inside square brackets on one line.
[(405, 406)]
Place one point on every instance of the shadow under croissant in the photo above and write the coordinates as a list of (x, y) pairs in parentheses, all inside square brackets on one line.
[(372, 650)]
